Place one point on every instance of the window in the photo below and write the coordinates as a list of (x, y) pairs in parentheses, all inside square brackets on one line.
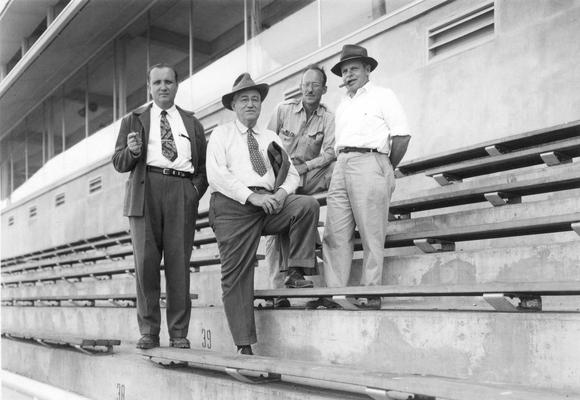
[(460, 33), (59, 200), (95, 185), (11, 220), (32, 212)]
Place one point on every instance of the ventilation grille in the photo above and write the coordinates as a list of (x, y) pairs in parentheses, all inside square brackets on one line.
[(32, 212), (95, 185), (59, 200), (11, 220), (465, 31)]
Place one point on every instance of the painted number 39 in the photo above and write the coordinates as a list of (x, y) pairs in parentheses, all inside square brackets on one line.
[(206, 338)]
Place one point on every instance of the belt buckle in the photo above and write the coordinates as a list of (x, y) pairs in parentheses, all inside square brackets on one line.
[(166, 171)]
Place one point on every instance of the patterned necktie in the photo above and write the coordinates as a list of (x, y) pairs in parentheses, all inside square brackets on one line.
[(168, 148), (257, 161)]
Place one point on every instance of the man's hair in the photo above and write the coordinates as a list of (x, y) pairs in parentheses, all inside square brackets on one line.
[(161, 65), (316, 67)]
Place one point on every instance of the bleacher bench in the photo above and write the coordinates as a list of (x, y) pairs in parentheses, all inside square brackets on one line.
[(88, 300), (375, 384), (496, 294), (491, 148), (82, 344)]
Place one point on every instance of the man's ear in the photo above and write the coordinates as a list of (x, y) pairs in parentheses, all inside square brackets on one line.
[(324, 89)]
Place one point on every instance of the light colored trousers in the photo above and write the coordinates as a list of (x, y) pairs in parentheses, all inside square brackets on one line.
[(359, 195)]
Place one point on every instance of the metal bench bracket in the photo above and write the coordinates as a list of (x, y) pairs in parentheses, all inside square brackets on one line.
[(498, 199), (555, 158), (236, 374), (445, 179), (576, 227), (499, 302), (495, 150)]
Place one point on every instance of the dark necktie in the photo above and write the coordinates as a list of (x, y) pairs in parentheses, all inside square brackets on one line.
[(168, 148), (255, 155)]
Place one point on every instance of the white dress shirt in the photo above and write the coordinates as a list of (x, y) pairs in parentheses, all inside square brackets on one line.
[(180, 136), (369, 118), (228, 165)]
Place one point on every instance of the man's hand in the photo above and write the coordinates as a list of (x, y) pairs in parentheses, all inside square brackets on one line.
[(280, 197), (267, 202), (134, 143), (300, 167)]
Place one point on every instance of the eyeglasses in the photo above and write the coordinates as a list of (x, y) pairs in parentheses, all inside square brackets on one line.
[(313, 85)]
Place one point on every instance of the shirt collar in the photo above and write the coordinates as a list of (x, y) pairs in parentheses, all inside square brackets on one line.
[(298, 107), (364, 89), (156, 110), (243, 128)]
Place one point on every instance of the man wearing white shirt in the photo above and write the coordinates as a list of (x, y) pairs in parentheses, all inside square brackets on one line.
[(367, 119), (163, 147), (252, 195)]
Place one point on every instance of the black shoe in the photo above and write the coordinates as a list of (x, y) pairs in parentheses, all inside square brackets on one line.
[(530, 303), (295, 279), (179, 342), (373, 303), (281, 302), (322, 302), (245, 349), (148, 342)]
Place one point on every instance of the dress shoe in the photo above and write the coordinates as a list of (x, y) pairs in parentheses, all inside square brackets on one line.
[(373, 303), (295, 279), (530, 303), (179, 342), (281, 302), (245, 349), (322, 302), (148, 342)]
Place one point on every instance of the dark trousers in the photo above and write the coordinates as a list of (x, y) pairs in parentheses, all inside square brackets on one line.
[(238, 228), (166, 229)]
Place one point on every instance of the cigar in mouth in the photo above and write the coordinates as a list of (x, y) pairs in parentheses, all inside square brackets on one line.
[(342, 85)]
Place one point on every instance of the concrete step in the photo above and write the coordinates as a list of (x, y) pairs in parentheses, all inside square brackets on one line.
[(128, 376), (533, 349)]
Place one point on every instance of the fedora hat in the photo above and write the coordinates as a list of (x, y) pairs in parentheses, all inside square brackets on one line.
[(244, 82), (353, 52)]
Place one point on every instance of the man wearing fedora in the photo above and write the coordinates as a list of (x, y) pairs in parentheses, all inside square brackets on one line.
[(252, 182), (371, 138)]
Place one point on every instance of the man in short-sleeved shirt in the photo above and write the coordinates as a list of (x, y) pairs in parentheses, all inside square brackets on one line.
[(306, 128)]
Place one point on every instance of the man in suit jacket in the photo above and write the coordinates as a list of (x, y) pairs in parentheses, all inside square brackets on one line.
[(163, 147)]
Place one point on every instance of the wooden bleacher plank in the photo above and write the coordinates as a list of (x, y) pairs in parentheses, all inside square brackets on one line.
[(369, 382), (516, 159), (563, 288), (528, 226), (85, 345), (505, 144), (121, 300), (99, 241)]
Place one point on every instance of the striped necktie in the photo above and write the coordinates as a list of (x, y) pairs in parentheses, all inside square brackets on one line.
[(255, 156), (168, 148)]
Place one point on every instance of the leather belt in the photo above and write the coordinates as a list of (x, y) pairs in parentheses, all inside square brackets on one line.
[(357, 150), (170, 172)]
